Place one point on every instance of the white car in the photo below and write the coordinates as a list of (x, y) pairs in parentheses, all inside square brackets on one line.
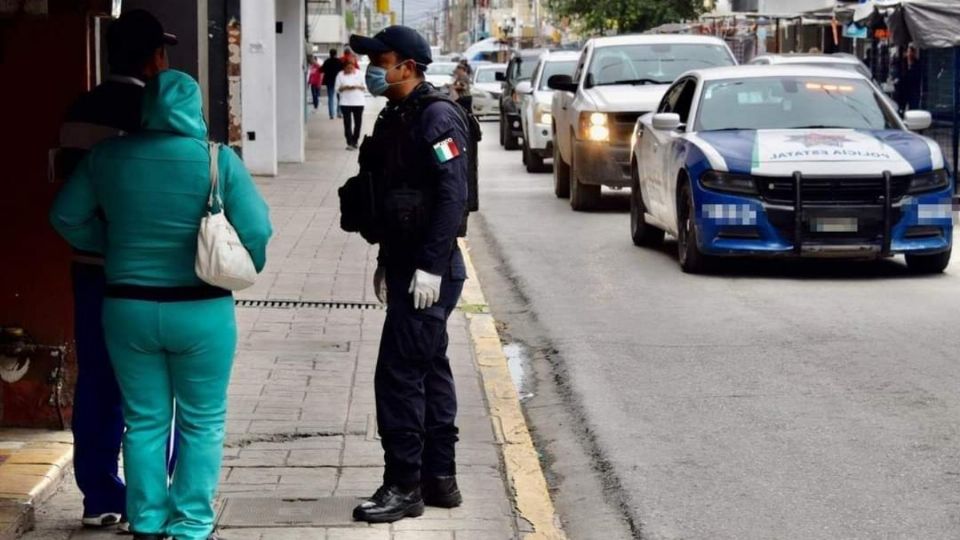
[(485, 89), (838, 60), (788, 161), (440, 74), (535, 107), (617, 79)]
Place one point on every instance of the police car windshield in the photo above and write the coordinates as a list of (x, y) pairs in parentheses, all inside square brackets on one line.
[(792, 103), (658, 63), (566, 67)]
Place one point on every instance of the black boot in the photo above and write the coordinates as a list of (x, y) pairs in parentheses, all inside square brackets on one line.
[(441, 491), (389, 504)]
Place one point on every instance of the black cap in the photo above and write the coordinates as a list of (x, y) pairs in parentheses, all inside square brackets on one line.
[(402, 40), (134, 36)]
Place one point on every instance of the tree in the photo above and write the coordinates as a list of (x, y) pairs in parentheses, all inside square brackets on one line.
[(625, 16)]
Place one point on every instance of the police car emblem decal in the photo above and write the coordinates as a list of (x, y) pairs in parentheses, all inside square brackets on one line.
[(446, 150)]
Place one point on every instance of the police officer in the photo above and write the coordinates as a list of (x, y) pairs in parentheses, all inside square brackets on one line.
[(136, 50), (417, 160)]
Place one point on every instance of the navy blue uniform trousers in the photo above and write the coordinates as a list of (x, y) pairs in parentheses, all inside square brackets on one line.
[(415, 392), (97, 410)]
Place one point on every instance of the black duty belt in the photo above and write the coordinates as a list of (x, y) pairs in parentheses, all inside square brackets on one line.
[(165, 294)]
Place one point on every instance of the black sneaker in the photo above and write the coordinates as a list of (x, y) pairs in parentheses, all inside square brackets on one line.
[(389, 504), (441, 491), (99, 521)]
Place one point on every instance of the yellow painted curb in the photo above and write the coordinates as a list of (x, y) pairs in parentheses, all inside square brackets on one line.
[(530, 495)]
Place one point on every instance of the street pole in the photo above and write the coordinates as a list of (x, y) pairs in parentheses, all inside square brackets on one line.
[(403, 12)]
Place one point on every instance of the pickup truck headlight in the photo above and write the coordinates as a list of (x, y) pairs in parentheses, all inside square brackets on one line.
[(730, 183), (593, 126), (542, 114), (931, 181)]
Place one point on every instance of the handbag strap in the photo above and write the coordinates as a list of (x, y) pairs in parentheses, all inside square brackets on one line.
[(214, 177)]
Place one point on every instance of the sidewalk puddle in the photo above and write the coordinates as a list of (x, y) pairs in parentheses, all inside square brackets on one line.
[(518, 360)]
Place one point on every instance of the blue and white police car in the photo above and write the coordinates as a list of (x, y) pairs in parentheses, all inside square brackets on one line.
[(788, 161)]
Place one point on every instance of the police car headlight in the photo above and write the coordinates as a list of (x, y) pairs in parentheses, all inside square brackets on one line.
[(931, 181), (731, 183)]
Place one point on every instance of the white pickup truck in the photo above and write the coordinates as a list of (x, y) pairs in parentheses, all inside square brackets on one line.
[(617, 80)]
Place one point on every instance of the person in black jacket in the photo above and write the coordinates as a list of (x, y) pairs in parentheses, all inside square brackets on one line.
[(331, 68), (136, 51), (417, 158)]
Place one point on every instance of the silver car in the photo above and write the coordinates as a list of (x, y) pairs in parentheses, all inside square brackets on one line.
[(485, 89)]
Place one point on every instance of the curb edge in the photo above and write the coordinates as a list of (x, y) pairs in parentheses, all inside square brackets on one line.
[(531, 497)]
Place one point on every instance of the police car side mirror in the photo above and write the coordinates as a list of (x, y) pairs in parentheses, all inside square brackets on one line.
[(666, 121), (917, 120), (525, 88)]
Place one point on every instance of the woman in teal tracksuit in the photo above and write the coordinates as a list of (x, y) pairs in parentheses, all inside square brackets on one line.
[(171, 337)]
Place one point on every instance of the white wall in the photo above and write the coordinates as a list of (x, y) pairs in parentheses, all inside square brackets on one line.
[(327, 29), (259, 85), (291, 82)]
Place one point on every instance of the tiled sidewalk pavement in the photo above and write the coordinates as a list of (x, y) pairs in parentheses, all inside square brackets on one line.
[(301, 423)]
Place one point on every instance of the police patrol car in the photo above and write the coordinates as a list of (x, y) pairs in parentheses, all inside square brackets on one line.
[(788, 161)]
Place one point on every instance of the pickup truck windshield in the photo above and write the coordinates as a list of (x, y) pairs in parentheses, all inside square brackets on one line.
[(488, 75), (792, 103), (556, 68), (658, 63)]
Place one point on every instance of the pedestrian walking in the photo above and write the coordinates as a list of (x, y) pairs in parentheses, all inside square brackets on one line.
[(331, 67), (460, 88), (415, 159), (350, 87), (135, 53), (315, 79), (909, 86), (139, 200)]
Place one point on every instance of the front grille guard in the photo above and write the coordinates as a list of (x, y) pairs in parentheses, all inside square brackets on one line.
[(798, 232)]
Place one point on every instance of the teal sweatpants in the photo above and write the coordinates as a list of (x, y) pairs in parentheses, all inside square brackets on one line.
[(166, 352)]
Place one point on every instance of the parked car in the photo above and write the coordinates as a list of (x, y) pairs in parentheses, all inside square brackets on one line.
[(617, 80), (790, 161), (519, 68), (535, 103), (440, 74), (485, 88)]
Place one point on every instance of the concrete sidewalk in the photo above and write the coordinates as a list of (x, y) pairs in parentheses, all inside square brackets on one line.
[(301, 435)]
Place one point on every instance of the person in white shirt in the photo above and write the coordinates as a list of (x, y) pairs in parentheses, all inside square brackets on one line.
[(351, 89)]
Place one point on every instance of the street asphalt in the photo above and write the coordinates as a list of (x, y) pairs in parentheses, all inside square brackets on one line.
[(794, 399)]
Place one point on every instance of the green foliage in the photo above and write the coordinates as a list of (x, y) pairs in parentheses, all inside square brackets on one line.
[(625, 16)]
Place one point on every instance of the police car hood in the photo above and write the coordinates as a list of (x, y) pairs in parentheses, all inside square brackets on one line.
[(626, 97), (172, 103), (839, 152)]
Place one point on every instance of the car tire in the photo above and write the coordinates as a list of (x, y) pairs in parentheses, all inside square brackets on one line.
[(642, 233), (582, 196), (928, 264), (509, 141), (533, 161), (561, 173), (503, 127), (692, 260)]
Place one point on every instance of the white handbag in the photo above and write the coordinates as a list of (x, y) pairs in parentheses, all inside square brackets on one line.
[(222, 260)]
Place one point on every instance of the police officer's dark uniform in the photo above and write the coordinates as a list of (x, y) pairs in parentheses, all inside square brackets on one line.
[(415, 164)]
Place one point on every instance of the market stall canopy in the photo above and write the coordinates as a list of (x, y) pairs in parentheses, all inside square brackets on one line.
[(929, 24)]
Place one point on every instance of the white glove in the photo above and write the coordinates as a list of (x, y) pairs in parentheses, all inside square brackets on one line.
[(380, 284), (425, 288)]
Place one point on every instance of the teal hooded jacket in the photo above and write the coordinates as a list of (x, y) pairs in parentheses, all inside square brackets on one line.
[(138, 199)]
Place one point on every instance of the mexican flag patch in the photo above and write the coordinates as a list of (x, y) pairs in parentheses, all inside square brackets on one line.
[(446, 150)]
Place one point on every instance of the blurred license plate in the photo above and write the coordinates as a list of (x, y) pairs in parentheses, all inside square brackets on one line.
[(833, 225)]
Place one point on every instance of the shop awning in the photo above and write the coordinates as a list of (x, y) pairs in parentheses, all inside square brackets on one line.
[(930, 24)]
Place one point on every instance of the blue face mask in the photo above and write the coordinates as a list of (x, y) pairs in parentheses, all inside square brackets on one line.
[(376, 79)]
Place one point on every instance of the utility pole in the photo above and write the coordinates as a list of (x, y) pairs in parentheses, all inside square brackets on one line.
[(403, 12)]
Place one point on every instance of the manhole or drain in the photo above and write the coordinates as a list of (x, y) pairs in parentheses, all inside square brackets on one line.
[(276, 512), (293, 304)]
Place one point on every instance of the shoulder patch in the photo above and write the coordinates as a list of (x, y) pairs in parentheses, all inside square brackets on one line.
[(446, 150)]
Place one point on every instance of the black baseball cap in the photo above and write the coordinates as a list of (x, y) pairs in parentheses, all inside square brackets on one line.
[(402, 40), (134, 36)]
